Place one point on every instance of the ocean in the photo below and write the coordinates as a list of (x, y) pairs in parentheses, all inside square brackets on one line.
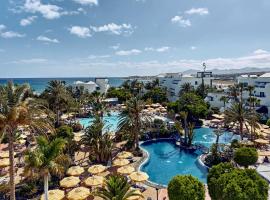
[(39, 84)]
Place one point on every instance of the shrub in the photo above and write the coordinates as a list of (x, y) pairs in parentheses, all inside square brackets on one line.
[(268, 122), (185, 188), (65, 132), (235, 143), (228, 183), (246, 156), (77, 127)]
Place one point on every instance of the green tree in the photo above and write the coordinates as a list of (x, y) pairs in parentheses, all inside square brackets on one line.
[(185, 188), (224, 99), (157, 95), (65, 132), (186, 88), (46, 159), (228, 183), (57, 96), (246, 156), (131, 120), (98, 140), (194, 105), (121, 93), (117, 188), (16, 109)]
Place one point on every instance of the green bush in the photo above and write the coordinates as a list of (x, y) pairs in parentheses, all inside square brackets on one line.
[(228, 183), (65, 132), (185, 188), (246, 156), (268, 122)]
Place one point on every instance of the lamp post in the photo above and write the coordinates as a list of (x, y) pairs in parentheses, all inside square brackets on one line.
[(157, 192)]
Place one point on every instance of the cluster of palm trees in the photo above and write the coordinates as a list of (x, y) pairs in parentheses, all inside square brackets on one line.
[(239, 113)]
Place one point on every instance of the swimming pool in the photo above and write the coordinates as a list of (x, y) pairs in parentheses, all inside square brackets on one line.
[(110, 120), (166, 160)]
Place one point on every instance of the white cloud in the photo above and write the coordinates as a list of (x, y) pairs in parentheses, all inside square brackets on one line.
[(193, 48), (46, 39), (30, 61), (48, 11), (197, 11), (181, 21), (128, 52), (9, 34), (161, 49), (87, 2), (80, 31), (27, 21), (92, 57), (260, 51), (125, 29), (115, 47)]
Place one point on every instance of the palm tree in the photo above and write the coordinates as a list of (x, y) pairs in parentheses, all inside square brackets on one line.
[(234, 91), (46, 159), (116, 188), (252, 120), (16, 109), (57, 96), (131, 119), (190, 134), (237, 114), (184, 116), (224, 99), (98, 141), (185, 88), (218, 132)]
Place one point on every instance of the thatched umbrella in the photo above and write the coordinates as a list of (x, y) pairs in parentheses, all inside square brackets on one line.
[(80, 193), (75, 171), (94, 180), (124, 154), (126, 170), (54, 195), (138, 176), (96, 169), (120, 162), (70, 182)]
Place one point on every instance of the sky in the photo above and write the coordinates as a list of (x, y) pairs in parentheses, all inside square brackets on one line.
[(87, 38)]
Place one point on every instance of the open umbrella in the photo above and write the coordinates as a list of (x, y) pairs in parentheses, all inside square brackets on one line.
[(138, 197), (124, 154), (4, 162), (80, 193), (138, 176), (75, 171), (54, 195), (70, 181), (94, 180), (126, 170), (264, 153), (4, 154), (261, 141), (120, 162), (96, 169)]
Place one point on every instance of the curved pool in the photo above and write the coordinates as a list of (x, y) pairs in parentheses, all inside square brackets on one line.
[(166, 159)]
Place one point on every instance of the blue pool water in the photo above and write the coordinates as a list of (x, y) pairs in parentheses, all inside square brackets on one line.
[(111, 121), (166, 160)]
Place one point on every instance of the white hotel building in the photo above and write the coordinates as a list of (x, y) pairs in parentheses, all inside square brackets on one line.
[(100, 85), (262, 88), (173, 82)]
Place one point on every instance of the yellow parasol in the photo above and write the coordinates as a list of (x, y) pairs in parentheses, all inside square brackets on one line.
[(80, 193), (94, 180), (138, 176), (54, 195), (126, 170), (96, 169), (4, 162), (124, 154), (264, 153), (261, 141), (75, 171), (120, 162), (70, 181), (138, 196), (4, 154)]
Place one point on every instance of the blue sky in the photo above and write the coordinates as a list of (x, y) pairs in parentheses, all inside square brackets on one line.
[(48, 38)]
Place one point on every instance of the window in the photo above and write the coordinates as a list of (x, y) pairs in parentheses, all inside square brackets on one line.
[(196, 82)]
